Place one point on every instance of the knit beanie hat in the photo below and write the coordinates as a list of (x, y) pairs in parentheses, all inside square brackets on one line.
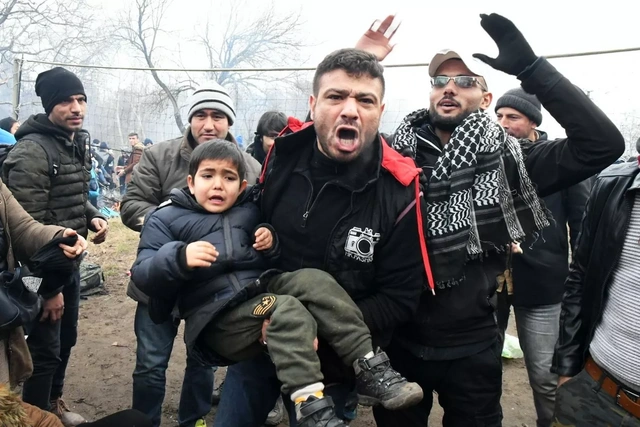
[(56, 85), (522, 101), (212, 96)]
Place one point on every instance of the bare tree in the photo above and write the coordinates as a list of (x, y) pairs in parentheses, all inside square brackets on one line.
[(267, 40), (140, 29), (43, 28)]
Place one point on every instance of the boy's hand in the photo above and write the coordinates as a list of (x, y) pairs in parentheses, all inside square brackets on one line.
[(264, 239), (201, 254)]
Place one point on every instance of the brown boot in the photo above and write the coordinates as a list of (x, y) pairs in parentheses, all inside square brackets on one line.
[(68, 418)]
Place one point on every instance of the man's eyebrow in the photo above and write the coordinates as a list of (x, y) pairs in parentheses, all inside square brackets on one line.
[(347, 92)]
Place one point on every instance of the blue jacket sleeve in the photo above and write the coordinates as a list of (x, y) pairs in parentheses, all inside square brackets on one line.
[(158, 270)]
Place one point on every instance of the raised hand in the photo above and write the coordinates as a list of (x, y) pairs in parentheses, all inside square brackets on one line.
[(514, 52), (376, 42)]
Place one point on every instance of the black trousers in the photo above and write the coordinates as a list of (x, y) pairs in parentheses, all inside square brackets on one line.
[(469, 389), (50, 346)]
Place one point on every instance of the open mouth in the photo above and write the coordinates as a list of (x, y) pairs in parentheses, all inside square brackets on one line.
[(347, 137), (216, 199)]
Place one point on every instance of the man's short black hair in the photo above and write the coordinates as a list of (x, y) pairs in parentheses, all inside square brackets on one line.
[(354, 62), (134, 134), (217, 149)]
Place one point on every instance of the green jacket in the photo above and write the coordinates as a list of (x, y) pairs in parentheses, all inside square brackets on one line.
[(62, 199)]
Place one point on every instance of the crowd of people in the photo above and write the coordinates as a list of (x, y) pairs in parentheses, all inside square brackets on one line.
[(330, 265)]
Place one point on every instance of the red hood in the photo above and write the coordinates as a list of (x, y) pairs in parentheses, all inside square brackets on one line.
[(403, 169), (294, 125)]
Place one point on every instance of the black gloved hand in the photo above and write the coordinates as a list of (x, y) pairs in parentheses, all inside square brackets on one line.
[(514, 52)]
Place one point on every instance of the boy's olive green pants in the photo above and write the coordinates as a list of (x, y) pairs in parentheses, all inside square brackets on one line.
[(301, 305)]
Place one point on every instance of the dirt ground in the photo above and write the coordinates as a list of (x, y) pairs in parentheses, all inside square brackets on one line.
[(99, 374)]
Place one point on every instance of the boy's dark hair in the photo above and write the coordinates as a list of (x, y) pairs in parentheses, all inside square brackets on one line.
[(217, 149), (134, 134), (354, 62), (271, 122)]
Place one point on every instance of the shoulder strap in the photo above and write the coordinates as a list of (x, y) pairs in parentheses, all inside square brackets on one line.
[(53, 155)]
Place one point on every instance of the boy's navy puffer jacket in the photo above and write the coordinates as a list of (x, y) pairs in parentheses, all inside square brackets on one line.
[(161, 271)]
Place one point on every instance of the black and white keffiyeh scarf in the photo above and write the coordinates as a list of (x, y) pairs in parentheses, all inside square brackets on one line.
[(479, 196)]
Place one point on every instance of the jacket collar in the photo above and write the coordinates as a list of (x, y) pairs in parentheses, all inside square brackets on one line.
[(401, 168)]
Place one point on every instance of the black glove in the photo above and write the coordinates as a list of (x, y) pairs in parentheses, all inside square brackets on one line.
[(514, 52)]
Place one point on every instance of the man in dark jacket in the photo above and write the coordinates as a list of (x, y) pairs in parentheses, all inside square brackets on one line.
[(482, 193), (535, 282), (48, 173), (599, 346), (162, 168), (343, 201)]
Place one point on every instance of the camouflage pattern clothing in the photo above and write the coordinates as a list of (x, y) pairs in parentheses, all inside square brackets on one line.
[(581, 403)]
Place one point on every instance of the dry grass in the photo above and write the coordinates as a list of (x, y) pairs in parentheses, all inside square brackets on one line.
[(116, 254)]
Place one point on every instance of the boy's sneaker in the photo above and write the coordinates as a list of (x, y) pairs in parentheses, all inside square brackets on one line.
[(200, 423), (68, 418), (317, 412), (377, 383)]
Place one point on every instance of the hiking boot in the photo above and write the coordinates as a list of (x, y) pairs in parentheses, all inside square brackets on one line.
[(378, 384), (68, 418), (317, 412), (277, 414)]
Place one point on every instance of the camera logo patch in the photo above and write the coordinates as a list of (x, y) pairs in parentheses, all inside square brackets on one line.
[(360, 244)]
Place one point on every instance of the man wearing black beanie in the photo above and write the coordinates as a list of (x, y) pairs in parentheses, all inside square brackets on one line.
[(536, 283), (48, 173)]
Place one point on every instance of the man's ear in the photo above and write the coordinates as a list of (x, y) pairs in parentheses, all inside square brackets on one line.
[(312, 106), (487, 97)]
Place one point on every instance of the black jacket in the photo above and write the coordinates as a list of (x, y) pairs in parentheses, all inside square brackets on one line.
[(373, 248), (540, 271), (604, 228), (59, 200), (464, 315), (161, 271), (256, 150)]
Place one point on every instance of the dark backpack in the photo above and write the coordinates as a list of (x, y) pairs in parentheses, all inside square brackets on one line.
[(53, 156)]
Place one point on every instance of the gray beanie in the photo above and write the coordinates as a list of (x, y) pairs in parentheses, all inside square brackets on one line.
[(212, 96), (522, 101)]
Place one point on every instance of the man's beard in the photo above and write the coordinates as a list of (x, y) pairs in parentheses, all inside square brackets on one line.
[(447, 124)]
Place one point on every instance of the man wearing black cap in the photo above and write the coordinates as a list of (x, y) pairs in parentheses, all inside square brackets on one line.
[(535, 283), (48, 173)]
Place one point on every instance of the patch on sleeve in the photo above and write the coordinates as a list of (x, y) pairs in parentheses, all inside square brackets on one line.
[(265, 305)]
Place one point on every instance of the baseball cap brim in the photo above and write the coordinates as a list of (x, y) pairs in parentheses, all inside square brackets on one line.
[(474, 65)]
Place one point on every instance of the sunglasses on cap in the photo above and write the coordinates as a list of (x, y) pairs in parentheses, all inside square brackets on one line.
[(464, 82)]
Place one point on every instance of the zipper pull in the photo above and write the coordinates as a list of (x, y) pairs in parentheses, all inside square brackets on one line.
[(304, 218)]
